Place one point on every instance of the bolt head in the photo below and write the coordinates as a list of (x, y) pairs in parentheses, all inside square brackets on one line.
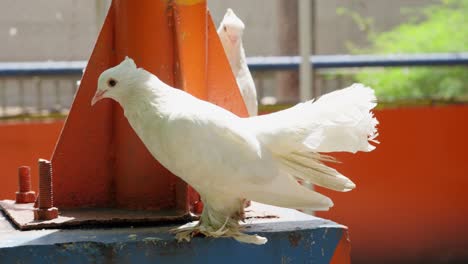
[(198, 207), (45, 214), (25, 197), (24, 170)]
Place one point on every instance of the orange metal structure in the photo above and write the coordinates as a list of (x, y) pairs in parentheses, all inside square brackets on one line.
[(98, 160)]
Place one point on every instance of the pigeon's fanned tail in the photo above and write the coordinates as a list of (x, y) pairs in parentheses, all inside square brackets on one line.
[(351, 123), (338, 121)]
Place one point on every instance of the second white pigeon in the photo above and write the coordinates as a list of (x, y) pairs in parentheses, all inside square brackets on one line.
[(230, 32)]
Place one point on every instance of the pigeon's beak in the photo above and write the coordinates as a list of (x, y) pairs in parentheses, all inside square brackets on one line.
[(233, 39), (98, 96)]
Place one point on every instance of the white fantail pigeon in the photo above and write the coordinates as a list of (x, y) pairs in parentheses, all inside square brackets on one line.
[(230, 33), (227, 158)]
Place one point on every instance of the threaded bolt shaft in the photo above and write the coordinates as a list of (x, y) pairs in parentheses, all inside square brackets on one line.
[(24, 179), (45, 184)]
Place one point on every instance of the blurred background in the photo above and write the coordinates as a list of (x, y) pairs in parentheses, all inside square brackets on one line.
[(65, 30), (410, 204)]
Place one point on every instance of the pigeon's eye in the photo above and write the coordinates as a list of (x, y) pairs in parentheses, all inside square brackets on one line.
[(225, 28), (111, 82)]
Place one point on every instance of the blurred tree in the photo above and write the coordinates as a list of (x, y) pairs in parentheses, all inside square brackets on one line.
[(436, 28)]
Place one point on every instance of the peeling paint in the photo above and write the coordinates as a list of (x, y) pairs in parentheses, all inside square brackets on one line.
[(285, 260), (294, 239), (183, 35)]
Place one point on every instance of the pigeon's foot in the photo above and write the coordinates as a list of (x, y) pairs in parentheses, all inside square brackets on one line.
[(192, 229), (221, 220)]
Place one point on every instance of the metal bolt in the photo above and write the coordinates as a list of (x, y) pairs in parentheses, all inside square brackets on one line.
[(45, 184), (198, 207), (45, 210), (25, 195), (24, 175)]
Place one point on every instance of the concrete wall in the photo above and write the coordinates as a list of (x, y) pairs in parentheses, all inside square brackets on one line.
[(333, 31), (33, 30)]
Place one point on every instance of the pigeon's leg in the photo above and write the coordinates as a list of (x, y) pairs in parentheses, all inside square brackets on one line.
[(187, 231), (216, 224)]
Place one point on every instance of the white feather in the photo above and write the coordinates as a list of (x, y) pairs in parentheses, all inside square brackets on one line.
[(338, 121)]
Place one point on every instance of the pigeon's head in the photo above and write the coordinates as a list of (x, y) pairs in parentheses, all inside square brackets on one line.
[(231, 28), (115, 82)]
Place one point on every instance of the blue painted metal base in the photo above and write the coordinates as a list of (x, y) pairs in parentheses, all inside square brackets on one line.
[(303, 239)]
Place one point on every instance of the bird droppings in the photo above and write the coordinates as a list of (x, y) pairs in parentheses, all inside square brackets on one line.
[(152, 239), (294, 239), (324, 236), (87, 237)]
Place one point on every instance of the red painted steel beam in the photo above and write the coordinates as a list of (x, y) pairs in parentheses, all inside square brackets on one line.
[(98, 160)]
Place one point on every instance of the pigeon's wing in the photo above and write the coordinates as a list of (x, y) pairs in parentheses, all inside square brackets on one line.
[(211, 144)]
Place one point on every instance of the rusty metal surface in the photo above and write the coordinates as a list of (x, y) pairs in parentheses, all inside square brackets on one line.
[(22, 216)]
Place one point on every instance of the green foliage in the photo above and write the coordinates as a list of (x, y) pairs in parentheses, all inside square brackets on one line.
[(436, 28)]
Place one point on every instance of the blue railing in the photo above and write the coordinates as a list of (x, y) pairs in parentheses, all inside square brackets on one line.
[(261, 63), (349, 61), (47, 78), (42, 68)]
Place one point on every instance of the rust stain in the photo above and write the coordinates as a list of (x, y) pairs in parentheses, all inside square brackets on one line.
[(294, 239), (263, 217)]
